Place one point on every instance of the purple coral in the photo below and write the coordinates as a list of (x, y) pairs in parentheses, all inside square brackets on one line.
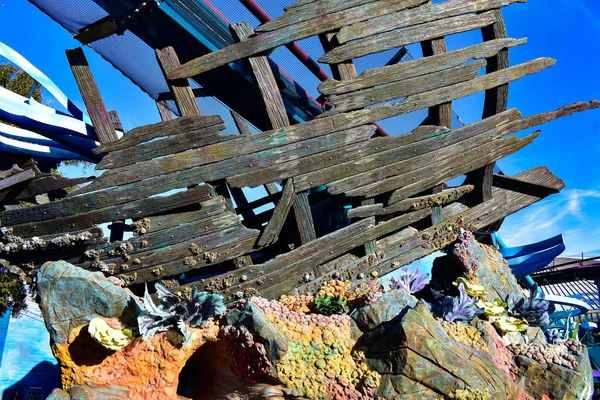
[(410, 282), (461, 308), (248, 358), (533, 309)]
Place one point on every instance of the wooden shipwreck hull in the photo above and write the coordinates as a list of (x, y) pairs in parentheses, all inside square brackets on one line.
[(402, 209)]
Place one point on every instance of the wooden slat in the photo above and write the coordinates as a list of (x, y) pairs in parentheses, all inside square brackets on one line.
[(305, 13), (100, 29), (166, 128), (450, 168), (146, 246), (75, 219), (385, 162), (271, 232), (420, 15), (180, 88), (379, 94), (74, 205), (406, 36), (495, 101), (197, 162), (91, 96), (19, 177), (171, 269), (209, 208), (49, 184), (437, 115), (164, 111), (521, 186), (443, 95), (412, 204), (263, 43), (329, 158), (241, 124), (164, 147), (116, 121), (418, 67)]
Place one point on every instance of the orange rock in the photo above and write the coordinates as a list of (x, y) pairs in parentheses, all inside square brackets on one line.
[(150, 368)]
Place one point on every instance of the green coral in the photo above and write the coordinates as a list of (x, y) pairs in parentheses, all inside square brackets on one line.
[(331, 305)]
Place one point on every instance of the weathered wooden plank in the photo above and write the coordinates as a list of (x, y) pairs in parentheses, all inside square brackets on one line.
[(91, 96), (145, 248), (10, 171), (495, 101), (164, 111), (277, 282), (289, 34), (166, 128), (19, 177), (271, 232), (163, 147), (180, 88), (386, 162), (343, 71), (307, 12), (379, 94), (329, 158), (195, 161), (173, 268), (421, 15), (49, 184), (116, 121), (416, 203), (75, 219), (443, 95), (521, 186), (437, 115), (100, 29), (418, 67), (265, 80), (302, 3), (278, 118), (196, 248), (408, 35), (209, 208), (241, 124), (74, 205), (453, 167)]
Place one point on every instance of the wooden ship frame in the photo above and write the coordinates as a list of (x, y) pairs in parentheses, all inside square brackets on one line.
[(401, 209)]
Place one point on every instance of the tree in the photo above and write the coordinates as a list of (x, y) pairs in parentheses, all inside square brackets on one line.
[(19, 82), (13, 292)]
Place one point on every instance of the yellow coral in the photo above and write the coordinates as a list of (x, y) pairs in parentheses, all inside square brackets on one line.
[(465, 334), (334, 288), (299, 303), (108, 337)]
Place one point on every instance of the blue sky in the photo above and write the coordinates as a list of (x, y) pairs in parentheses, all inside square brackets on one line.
[(568, 30)]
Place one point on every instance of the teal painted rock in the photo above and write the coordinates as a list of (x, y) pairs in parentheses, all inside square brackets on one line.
[(71, 296), (385, 309), (419, 360), (479, 263)]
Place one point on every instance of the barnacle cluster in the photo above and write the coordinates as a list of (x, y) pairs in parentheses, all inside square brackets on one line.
[(142, 226), (465, 334), (320, 351), (559, 354)]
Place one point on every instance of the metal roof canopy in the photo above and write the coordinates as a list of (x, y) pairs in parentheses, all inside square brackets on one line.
[(192, 29)]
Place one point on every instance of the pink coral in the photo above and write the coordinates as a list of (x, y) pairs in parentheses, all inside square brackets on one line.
[(248, 359)]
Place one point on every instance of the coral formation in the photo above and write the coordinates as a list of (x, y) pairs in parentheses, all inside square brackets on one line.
[(559, 354), (465, 334)]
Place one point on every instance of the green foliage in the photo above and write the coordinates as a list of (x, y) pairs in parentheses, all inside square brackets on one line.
[(13, 292), (330, 305), (18, 81)]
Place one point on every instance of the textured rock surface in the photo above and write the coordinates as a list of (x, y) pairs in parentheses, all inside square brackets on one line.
[(417, 359), (385, 309), (480, 264), (150, 369), (71, 296)]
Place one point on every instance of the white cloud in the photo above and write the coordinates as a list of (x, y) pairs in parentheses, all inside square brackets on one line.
[(572, 213)]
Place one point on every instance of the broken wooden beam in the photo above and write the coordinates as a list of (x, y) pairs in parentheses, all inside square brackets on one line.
[(408, 35), (412, 204), (100, 29), (261, 43), (416, 16), (180, 88)]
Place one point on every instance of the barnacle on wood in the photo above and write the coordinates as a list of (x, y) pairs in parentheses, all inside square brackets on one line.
[(142, 226), (127, 280), (211, 256), (195, 249)]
